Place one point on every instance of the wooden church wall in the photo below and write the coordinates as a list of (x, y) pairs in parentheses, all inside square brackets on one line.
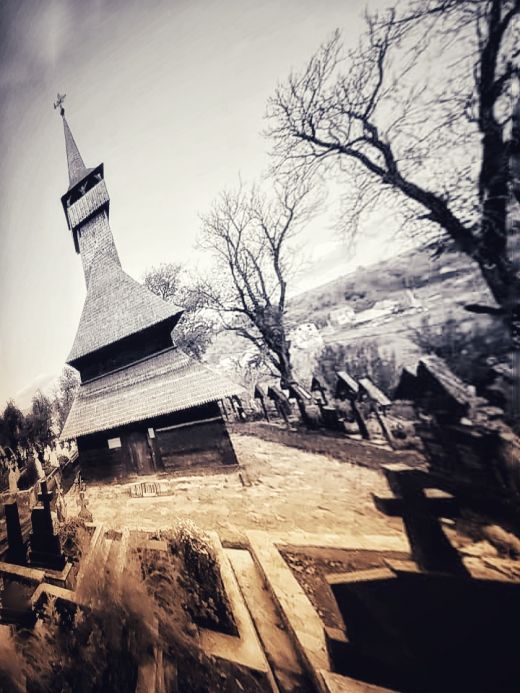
[(194, 437), (203, 443), (189, 438), (98, 461)]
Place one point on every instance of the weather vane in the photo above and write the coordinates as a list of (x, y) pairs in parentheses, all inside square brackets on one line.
[(59, 103)]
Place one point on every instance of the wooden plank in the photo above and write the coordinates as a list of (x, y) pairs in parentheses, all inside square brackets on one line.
[(347, 384), (374, 392)]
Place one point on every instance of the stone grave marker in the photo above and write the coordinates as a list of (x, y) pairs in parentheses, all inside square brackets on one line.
[(16, 552), (45, 549), (260, 395)]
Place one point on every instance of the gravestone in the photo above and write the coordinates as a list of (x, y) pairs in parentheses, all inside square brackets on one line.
[(84, 512), (61, 505), (45, 546), (238, 408), (16, 552), (14, 475), (281, 403), (379, 404), (303, 400)]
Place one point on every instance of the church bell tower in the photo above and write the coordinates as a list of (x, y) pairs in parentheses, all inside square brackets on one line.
[(142, 403), (86, 204)]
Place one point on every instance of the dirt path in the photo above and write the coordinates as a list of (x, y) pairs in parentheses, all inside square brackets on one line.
[(290, 490)]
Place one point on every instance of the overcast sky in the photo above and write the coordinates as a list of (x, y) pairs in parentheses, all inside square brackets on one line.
[(171, 97)]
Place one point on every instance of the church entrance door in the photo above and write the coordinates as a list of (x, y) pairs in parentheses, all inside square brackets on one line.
[(140, 453)]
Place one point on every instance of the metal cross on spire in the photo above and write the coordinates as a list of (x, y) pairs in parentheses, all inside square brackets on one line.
[(59, 103)]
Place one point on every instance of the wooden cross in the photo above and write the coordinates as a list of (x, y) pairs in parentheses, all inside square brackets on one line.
[(59, 103)]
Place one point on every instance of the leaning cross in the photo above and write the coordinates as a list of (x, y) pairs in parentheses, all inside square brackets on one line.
[(59, 103)]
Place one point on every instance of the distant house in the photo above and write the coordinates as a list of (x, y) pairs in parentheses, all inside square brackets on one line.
[(380, 309), (305, 336), (342, 316)]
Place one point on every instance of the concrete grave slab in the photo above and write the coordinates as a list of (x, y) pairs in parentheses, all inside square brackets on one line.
[(335, 683), (276, 642), (301, 618), (244, 650)]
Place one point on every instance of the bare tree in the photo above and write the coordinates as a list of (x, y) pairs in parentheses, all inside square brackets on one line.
[(164, 280), (171, 282), (436, 141), (250, 236)]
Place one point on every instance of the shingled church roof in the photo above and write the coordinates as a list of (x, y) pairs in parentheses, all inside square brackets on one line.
[(115, 307), (160, 384)]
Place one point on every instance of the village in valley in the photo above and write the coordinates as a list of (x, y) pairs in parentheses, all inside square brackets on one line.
[(252, 475)]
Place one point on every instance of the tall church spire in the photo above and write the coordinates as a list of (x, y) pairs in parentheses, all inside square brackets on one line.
[(86, 205), (75, 163)]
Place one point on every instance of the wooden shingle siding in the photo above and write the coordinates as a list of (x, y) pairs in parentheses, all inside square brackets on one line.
[(94, 237), (116, 306), (89, 203)]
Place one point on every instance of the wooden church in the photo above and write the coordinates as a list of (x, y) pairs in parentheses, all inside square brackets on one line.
[(143, 405)]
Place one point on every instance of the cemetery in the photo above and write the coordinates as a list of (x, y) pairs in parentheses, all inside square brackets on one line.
[(293, 536), (380, 589), (298, 510)]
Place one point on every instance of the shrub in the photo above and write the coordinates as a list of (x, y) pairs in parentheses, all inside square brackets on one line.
[(29, 475), (364, 358), (74, 538)]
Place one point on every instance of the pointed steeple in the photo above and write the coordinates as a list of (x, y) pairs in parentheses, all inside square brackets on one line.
[(86, 204), (75, 163)]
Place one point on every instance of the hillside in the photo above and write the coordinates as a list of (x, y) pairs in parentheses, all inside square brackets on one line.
[(448, 279), (384, 303)]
